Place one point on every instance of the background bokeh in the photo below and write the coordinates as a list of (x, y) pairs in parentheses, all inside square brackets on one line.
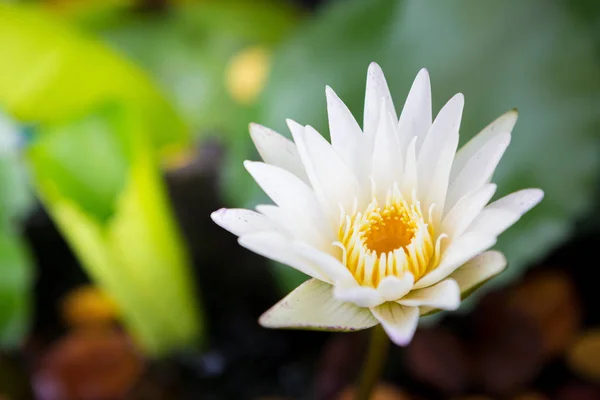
[(124, 123)]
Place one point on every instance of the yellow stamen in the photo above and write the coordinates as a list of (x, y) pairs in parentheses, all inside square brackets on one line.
[(388, 229), (388, 239)]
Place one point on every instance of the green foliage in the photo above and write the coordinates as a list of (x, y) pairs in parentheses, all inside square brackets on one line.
[(15, 280), (15, 268), (98, 127), (188, 49), (91, 164), (501, 55), (111, 205), (51, 72)]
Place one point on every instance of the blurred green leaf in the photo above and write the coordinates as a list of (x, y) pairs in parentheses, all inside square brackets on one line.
[(98, 123), (51, 72), (188, 50), (87, 154), (14, 290), (15, 269), (111, 205), (51, 77), (530, 55)]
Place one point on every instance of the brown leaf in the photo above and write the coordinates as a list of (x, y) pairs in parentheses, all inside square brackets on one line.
[(550, 299), (509, 346), (96, 364), (438, 358), (584, 355)]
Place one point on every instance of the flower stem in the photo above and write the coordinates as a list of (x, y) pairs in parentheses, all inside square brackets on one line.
[(373, 365)]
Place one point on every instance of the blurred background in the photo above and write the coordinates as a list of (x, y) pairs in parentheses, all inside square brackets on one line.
[(123, 124)]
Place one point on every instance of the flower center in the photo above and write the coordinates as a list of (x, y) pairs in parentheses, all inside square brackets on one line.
[(388, 239), (388, 229)]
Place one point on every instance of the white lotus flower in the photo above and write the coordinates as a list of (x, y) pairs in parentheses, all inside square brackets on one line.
[(389, 220)]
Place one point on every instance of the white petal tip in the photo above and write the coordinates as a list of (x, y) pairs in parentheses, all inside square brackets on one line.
[(257, 133), (399, 322), (265, 321), (375, 72), (423, 74), (529, 198), (257, 130), (459, 97), (498, 262), (454, 303), (244, 241), (373, 66), (537, 195), (489, 264), (402, 336), (479, 270), (217, 215), (496, 255), (293, 126), (401, 341), (332, 97), (508, 119), (249, 164)]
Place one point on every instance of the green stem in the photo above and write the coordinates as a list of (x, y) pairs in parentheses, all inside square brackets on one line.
[(373, 365)]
